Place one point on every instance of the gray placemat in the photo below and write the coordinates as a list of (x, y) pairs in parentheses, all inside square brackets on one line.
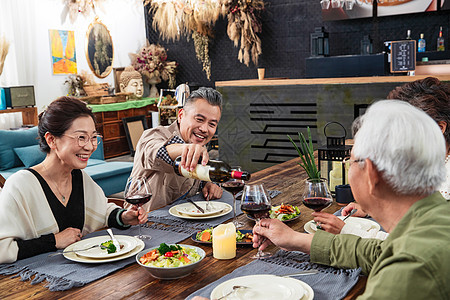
[(329, 283), (62, 274), (164, 217)]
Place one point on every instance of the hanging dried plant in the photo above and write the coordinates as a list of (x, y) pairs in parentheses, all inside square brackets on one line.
[(243, 25), (151, 61), (75, 7), (176, 18), (4, 48), (201, 44)]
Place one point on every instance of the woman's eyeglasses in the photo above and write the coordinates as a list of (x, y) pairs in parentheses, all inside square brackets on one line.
[(83, 139)]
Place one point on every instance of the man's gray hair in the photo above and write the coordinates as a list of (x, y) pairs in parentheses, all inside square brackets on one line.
[(209, 94), (405, 144)]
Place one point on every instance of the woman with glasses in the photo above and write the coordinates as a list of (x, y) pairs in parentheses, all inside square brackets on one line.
[(53, 204)]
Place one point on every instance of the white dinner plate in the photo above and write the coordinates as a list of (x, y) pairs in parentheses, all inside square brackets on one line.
[(77, 258), (263, 287), (127, 244), (174, 212), (189, 209), (362, 223)]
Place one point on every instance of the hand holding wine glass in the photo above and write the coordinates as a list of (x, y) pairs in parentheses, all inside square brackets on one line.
[(137, 192), (255, 202)]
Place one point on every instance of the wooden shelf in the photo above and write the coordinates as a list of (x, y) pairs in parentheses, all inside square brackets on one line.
[(29, 114), (110, 125)]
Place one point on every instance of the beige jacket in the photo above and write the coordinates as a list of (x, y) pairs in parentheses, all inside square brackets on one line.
[(165, 185)]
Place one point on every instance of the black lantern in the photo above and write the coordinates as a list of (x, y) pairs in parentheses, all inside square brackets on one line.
[(319, 42), (331, 158)]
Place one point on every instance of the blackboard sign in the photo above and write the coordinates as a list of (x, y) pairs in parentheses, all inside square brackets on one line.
[(403, 56)]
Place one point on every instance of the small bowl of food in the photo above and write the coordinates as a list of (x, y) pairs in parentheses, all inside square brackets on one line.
[(170, 261)]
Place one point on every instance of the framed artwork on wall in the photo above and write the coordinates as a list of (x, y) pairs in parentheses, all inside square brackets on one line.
[(99, 49), (62, 45)]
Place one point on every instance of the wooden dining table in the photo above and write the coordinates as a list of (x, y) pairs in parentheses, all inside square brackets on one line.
[(133, 282)]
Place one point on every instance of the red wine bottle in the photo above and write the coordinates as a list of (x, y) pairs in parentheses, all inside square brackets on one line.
[(216, 171)]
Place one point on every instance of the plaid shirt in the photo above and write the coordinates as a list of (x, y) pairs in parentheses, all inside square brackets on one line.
[(162, 152)]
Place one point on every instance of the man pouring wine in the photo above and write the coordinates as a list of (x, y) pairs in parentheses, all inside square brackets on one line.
[(158, 148)]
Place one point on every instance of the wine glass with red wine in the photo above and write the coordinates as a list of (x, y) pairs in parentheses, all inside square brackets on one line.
[(234, 186), (317, 196), (137, 192), (255, 202)]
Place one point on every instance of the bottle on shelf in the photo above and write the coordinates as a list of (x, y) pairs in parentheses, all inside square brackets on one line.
[(440, 41), (422, 44), (408, 35), (216, 171)]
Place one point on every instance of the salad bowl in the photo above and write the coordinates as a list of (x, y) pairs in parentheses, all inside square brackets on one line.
[(173, 270)]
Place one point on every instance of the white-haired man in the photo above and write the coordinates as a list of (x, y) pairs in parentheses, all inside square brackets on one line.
[(395, 172)]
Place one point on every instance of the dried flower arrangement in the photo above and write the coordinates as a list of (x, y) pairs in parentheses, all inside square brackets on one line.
[(177, 18), (243, 25), (151, 61), (76, 83), (4, 48)]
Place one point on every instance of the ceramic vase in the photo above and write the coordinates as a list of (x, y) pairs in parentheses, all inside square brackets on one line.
[(153, 81)]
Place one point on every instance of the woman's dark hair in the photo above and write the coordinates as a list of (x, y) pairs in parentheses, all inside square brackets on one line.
[(59, 116), (430, 95)]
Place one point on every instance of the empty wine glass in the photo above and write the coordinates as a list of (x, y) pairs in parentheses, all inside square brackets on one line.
[(234, 186), (137, 192), (255, 202)]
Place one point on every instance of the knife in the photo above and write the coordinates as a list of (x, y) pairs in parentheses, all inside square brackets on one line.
[(198, 207), (308, 272), (113, 238)]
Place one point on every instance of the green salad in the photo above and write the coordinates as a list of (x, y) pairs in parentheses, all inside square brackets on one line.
[(284, 212), (172, 256)]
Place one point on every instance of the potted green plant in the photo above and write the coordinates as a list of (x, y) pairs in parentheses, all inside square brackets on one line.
[(316, 194), (306, 153)]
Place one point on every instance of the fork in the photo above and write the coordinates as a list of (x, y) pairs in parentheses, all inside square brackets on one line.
[(208, 208), (235, 287), (85, 249), (350, 214)]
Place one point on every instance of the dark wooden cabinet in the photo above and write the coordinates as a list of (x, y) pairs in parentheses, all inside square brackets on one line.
[(110, 125)]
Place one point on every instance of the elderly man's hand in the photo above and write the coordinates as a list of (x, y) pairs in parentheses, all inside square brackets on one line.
[(191, 155), (353, 205), (274, 231), (212, 190), (328, 222)]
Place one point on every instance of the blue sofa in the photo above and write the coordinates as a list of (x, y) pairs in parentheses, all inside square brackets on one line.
[(19, 149)]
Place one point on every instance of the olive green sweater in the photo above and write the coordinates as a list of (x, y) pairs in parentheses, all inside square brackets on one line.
[(412, 263)]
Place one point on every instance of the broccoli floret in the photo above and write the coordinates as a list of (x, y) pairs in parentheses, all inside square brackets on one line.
[(109, 246)]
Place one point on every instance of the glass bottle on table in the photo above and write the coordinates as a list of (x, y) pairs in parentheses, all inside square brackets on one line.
[(234, 186), (137, 192), (215, 171), (255, 202)]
